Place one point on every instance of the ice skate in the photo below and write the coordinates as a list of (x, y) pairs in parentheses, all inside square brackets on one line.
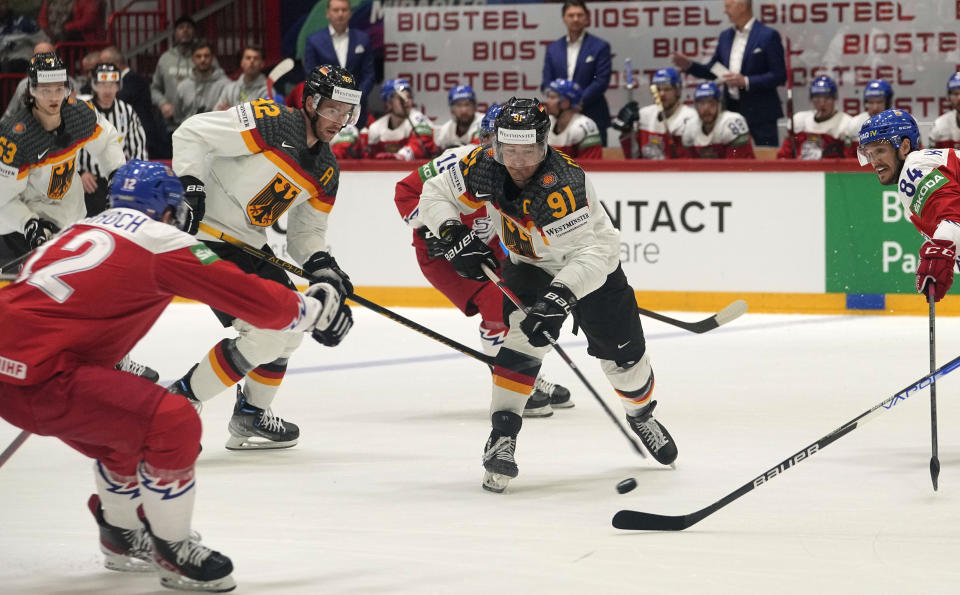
[(188, 565), (538, 405), (656, 439), (498, 462), (182, 387), (124, 550), (559, 395), (254, 428), (128, 365)]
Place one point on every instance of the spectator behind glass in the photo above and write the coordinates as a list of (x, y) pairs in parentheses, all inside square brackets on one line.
[(173, 67), (749, 61), (86, 66), (250, 85), (584, 59), (18, 35), (73, 20), (200, 92)]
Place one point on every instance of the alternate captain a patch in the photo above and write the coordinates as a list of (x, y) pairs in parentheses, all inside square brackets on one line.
[(272, 201), (61, 176)]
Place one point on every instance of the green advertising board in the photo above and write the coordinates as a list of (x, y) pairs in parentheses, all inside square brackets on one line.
[(871, 246)]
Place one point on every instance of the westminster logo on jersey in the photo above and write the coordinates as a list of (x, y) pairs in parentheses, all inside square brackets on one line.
[(271, 202), (61, 176)]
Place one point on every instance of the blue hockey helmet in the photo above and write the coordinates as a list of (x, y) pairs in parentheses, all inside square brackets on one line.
[(878, 88), (667, 76), (487, 123), (707, 90), (393, 86), (567, 89), (146, 186), (953, 83), (461, 92), (823, 85), (892, 126)]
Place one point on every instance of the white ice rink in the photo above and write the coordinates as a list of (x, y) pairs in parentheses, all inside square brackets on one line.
[(382, 495)]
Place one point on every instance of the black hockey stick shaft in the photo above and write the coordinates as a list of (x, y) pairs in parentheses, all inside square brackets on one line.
[(563, 354), (934, 458), (287, 266), (17, 442), (645, 521), (16, 261), (733, 311)]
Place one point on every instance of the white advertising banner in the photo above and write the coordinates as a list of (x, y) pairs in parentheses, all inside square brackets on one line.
[(499, 50), (679, 231)]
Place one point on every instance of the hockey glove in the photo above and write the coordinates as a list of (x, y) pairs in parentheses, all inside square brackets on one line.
[(626, 117), (467, 252), (324, 267), (335, 319), (38, 231), (194, 197), (435, 246), (547, 314), (937, 258)]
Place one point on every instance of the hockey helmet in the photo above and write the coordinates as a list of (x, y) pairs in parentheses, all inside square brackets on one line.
[(45, 67), (521, 122), (707, 90), (461, 92), (878, 88), (890, 126), (567, 89), (823, 85), (667, 76), (487, 123), (149, 187), (953, 83), (105, 72), (393, 86), (336, 83)]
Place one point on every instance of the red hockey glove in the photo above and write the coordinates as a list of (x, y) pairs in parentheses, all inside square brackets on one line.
[(937, 258)]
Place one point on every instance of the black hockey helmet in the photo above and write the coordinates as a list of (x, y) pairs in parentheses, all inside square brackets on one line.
[(336, 83), (104, 72), (522, 122), (46, 67)]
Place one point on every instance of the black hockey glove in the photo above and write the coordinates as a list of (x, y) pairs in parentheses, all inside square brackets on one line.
[(467, 252), (194, 196), (547, 314), (626, 117), (331, 327), (324, 267), (38, 231), (435, 246)]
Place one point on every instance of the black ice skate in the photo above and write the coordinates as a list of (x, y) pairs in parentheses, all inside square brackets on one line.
[(124, 550), (255, 428), (559, 395), (128, 365), (656, 439), (538, 405), (188, 565), (182, 387), (498, 462)]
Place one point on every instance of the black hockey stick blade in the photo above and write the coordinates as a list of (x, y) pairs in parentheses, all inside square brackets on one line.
[(645, 521), (731, 312), (934, 471)]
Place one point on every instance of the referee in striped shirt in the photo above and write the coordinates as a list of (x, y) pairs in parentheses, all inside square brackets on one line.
[(105, 82)]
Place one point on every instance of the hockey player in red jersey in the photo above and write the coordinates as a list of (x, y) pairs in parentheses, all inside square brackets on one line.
[(402, 133), (243, 168), (564, 259), (571, 132), (928, 184), (819, 132), (656, 131), (61, 338), (946, 129), (877, 96), (716, 133), (469, 295)]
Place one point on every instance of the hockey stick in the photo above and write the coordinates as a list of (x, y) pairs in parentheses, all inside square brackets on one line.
[(645, 521), (563, 354), (630, 85), (731, 312), (282, 264), (278, 72), (16, 261), (413, 129), (934, 459), (8, 452), (790, 129)]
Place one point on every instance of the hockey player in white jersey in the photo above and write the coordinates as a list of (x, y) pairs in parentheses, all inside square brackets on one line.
[(564, 259), (716, 133), (818, 133), (242, 169), (877, 97), (656, 131), (946, 129), (571, 132), (402, 133), (464, 127)]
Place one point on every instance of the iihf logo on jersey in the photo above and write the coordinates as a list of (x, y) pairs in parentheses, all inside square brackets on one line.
[(61, 176), (272, 201), (170, 489)]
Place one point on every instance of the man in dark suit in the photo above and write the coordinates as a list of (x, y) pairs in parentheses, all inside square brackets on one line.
[(340, 45), (584, 59), (749, 60)]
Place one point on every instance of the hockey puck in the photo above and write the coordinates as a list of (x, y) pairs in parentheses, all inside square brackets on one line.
[(626, 485)]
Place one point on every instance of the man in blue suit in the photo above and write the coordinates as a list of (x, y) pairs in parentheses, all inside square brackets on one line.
[(749, 61), (340, 45), (584, 59)]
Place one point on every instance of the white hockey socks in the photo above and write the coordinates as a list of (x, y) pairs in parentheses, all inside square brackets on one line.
[(633, 382), (168, 500), (119, 497)]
